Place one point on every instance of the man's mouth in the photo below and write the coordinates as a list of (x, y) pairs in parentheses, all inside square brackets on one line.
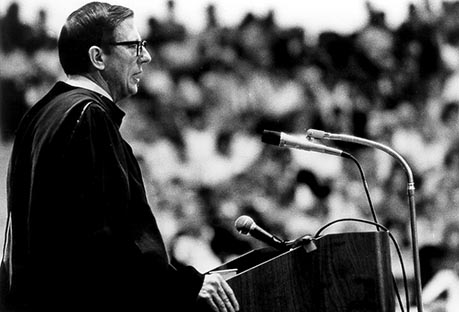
[(136, 77)]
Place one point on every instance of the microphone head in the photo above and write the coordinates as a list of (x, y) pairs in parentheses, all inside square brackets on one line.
[(244, 224), (271, 137)]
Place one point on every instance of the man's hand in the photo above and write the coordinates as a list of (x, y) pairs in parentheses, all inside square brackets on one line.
[(218, 294)]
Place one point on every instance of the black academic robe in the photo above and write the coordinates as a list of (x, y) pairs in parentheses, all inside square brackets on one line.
[(80, 233)]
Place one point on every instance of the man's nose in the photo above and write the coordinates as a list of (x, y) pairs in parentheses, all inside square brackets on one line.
[(145, 56)]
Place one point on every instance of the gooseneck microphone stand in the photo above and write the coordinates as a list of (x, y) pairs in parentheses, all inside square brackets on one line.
[(317, 134)]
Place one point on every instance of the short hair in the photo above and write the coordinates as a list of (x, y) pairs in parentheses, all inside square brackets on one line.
[(92, 24)]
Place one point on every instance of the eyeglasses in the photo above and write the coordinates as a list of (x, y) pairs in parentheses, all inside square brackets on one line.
[(140, 45)]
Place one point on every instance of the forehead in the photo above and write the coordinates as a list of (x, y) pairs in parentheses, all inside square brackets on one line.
[(126, 31)]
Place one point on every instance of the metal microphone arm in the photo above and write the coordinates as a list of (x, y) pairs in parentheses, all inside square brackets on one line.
[(317, 134)]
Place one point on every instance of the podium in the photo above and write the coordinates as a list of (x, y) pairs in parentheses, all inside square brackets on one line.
[(348, 272)]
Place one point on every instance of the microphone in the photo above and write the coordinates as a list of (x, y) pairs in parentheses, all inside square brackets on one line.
[(318, 134), (245, 225), (287, 140)]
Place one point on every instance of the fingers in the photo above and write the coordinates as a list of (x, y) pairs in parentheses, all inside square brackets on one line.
[(229, 294), (223, 301), (218, 294)]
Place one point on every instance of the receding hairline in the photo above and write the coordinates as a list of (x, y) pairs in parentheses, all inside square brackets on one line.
[(78, 15)]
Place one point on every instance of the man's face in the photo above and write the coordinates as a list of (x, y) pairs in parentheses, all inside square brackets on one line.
[(123, 67)]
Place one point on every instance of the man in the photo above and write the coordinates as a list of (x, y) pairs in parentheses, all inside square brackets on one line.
[(80, 233)]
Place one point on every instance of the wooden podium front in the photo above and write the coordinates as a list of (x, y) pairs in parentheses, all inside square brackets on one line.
[(348, 272)]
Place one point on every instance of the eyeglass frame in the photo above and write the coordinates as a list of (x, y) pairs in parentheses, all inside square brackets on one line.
[(141, 44)]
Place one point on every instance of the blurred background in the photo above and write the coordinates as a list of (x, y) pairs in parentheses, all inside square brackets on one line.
[(223, 72)]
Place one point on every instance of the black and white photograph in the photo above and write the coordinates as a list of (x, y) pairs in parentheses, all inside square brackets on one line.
[(229, 155)]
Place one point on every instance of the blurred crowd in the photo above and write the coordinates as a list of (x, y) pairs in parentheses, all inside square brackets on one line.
[(206, 97)]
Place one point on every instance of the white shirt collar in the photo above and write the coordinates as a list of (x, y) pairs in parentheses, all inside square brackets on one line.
[(80, 81)]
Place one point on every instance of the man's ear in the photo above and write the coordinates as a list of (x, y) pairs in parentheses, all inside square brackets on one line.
[(96, 57)]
